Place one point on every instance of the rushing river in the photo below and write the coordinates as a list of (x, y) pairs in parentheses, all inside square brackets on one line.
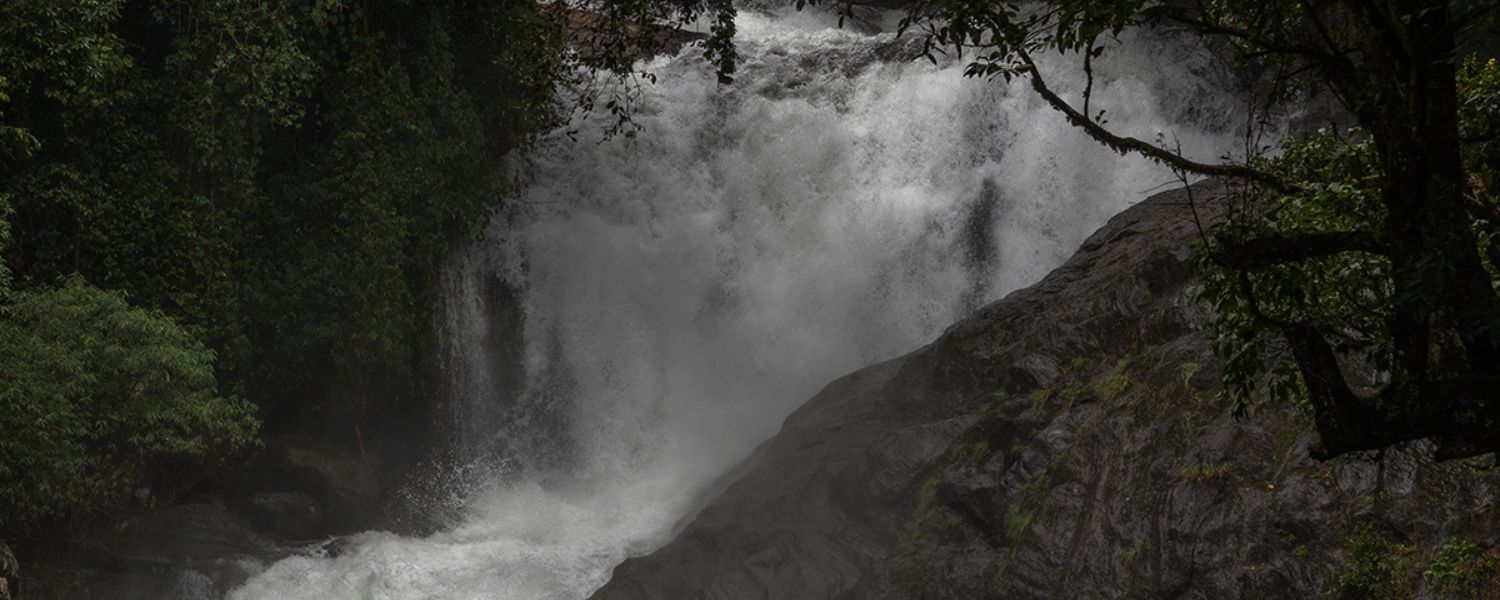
[(664, 301)]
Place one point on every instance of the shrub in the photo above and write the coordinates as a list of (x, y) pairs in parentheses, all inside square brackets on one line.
[(98, 400)]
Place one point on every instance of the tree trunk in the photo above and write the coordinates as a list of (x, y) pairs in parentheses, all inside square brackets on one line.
[(1444, 306)]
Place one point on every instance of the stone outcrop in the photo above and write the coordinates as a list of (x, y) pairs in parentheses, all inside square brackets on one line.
[(1064, 442), (194, 550), (290, 515), (297, 491), (10, 574), (605, 42), (332, 475)]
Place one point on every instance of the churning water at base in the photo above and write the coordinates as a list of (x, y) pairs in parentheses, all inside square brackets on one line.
[(665, 300)]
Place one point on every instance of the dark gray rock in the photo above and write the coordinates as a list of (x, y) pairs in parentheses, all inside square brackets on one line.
[(603, 41), (334, 475), (291, 515), (186, 552), (10, 574), (1064, 442)]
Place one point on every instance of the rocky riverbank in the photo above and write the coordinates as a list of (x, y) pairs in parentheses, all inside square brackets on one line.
[(1067, 442), (297, 494)]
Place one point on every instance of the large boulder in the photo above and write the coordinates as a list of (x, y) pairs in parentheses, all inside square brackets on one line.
[(289, 515), (337, 478), (185, 551), (299, 489), (1064, 442)]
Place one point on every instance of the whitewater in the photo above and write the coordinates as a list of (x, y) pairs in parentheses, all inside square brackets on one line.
[(673, 295)]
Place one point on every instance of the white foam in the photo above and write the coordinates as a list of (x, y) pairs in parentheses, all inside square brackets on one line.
[(694, 284)]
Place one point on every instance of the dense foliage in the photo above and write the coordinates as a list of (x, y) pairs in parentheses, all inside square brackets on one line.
[(101, 402), (274, 186), (276, 183), (283, 177), (1348, 295)]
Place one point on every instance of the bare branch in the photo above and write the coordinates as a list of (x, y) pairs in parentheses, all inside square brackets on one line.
[(1125, 144), (1266, 45), (1332, 61), (1282, 248)]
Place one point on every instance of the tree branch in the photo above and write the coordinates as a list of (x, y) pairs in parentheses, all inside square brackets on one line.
[(1269, 46), (1125, 144), (1281, 248)]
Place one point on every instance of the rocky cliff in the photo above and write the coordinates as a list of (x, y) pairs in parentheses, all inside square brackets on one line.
[(1067, 442)]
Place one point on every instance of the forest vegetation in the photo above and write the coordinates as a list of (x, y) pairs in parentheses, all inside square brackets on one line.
[(224, 218), (227, 216)]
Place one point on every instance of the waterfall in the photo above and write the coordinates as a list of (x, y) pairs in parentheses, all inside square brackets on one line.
[(654, 306)]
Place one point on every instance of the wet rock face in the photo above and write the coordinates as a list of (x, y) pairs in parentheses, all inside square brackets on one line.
[(196, 550), (330, 474), (300, 489), (1064, 442), (10, 574), (602, 41), (290, 515)]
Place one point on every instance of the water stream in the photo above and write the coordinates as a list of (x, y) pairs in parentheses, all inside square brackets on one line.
[(656, 305)]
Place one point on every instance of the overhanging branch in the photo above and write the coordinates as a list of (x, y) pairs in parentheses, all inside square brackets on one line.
[(1290, 48), (1281, 248), (1126, 144)]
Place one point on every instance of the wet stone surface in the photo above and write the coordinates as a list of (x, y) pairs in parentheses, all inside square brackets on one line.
[(1063, 442)]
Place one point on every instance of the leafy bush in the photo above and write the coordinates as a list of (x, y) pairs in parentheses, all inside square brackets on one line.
[(285, 179), (1347, 293), (99, 399), (1461, 569), (1377, 569)]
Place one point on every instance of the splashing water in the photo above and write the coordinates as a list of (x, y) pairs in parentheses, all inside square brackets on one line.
[(665, 300)]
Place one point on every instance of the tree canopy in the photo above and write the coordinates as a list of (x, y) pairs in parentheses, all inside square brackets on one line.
[(1366, 289)]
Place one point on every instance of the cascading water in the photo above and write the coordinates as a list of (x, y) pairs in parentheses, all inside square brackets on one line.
[(666, 300)]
